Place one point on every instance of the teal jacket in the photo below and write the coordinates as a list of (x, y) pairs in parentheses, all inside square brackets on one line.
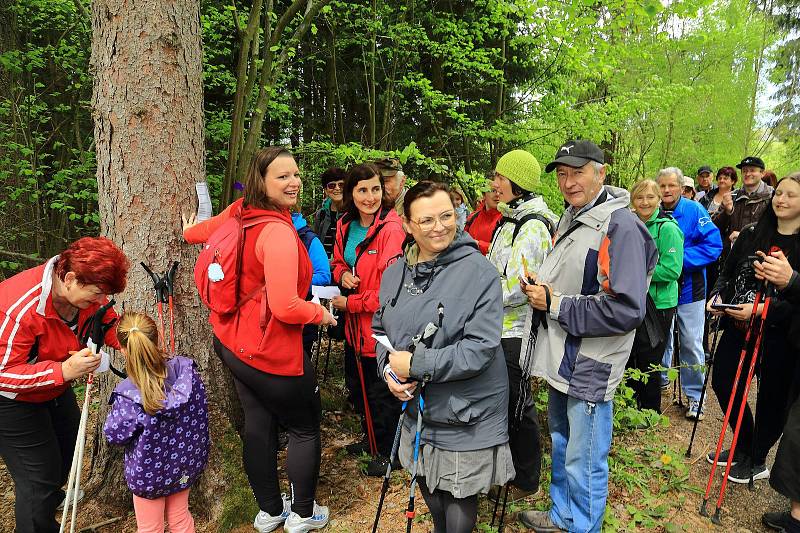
[(669, 241)]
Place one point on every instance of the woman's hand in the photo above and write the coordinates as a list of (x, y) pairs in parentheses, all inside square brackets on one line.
[(79, 364), (401, 363), (327, 318), (349, 281), (710, 309), (743, 314), (339, 302), (774, 268), (399, 390), (189, 221), (727, 202)]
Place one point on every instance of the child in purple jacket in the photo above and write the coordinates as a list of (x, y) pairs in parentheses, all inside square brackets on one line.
[(159, 414)]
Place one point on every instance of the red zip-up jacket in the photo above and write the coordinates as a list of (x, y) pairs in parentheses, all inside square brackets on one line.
[(267, 331), (382, 246), (34, 340), (481, 225)]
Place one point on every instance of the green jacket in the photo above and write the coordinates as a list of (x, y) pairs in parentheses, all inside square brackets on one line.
[(669, 241)]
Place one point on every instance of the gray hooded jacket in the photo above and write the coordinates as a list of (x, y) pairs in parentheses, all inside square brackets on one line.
[(464, 371)]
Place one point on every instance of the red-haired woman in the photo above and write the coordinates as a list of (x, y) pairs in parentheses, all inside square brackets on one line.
[(262, 344), (369, 236), (41, 311)]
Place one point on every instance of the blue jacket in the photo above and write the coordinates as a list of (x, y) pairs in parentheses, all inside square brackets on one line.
[(702, 245), (319, 259)]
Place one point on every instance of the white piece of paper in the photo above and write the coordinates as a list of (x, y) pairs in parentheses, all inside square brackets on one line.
[(385, 342), (204, 209), (325, 292)]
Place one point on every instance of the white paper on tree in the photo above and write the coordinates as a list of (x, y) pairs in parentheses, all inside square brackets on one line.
[(325, 292), (204, 210)]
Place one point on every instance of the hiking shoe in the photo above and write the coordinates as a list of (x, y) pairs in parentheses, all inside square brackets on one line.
[(740, 473), (377, 466), (357, 448), (515, 494), (694, 411), (69, 497), (538, 521), (318, 520), (780, 521), (723, 458), (265, 522)]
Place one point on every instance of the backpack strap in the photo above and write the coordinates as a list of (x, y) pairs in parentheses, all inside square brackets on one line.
[(519, 223)]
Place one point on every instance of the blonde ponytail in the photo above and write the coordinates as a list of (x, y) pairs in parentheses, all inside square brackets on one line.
[(146, 363)]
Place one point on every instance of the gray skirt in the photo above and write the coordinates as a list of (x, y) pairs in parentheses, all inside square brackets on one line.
[(462, 474)]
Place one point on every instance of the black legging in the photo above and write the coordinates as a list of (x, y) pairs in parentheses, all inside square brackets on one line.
[(776, 374), (36, 442), (648, 395), (523, 436), (269, 400), (450, 514), (384, 407)]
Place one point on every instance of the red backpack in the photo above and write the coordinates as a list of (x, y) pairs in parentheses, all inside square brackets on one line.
[(219, 265)]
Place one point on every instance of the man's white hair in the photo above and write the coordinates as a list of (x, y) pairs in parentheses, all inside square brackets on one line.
[(671, 171)]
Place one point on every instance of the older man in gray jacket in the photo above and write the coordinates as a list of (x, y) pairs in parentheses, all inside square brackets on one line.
[(591, 290)]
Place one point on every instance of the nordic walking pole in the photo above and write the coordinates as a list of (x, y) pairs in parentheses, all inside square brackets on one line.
[(327, 358), (426, 339), (410, 513), (721, 439), (94, 342), (169, 279), (159, 287), (676, 352), (709, 365), (716, 518)]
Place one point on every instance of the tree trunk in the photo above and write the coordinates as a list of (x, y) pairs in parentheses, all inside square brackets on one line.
[(148, 113)]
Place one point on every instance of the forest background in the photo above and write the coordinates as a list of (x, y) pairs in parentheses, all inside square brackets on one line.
[(447, 86)]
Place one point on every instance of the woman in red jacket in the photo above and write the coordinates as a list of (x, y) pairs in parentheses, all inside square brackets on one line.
[(369, 237), (262, 345), (42, 311)]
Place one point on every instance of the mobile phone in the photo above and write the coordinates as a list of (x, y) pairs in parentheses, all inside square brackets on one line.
[(722, 306), (524, 280), (754, 258)]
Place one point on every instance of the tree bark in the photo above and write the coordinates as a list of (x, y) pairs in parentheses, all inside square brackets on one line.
[(148, 112)]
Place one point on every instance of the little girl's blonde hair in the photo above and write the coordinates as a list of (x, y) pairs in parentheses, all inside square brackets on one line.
[(145, 362)]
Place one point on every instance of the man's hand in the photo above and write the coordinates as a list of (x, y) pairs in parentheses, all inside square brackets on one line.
[(710, 309), (349, 281), (775, 268), (79, 364), (401, 363), (733, 236), (537, 296)]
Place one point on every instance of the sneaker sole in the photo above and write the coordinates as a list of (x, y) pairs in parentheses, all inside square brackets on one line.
[(764, 474), (719, 463)]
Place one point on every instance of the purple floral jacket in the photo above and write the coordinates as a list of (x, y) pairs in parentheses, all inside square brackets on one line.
[(166, 452)]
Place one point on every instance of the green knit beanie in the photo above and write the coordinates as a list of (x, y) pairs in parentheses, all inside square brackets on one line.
[(520, 167)]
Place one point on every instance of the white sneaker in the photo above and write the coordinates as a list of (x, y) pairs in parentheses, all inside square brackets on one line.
[(69, 497), (318, 520), (265, 522)]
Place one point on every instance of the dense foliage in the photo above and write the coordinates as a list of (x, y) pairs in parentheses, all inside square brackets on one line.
[(446, 86)]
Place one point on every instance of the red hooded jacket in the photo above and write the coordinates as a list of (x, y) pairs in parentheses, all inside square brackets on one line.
[(380, 248), (267, 331), (481, 225), (34, 339)]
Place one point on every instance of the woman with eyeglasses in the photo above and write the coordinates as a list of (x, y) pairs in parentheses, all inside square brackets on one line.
[(443, 279), (369, 237), (326, 216)]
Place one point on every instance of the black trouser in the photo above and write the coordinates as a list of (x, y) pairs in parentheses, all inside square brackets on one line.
[(523, 435), (785, 475), (269, 400), (648, 395), (450, 514), (310, 332), (37, 441), (384, 408), (776, 372)]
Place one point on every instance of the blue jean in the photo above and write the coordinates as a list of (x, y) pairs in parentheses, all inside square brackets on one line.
[(581, 434), (691, 318)]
